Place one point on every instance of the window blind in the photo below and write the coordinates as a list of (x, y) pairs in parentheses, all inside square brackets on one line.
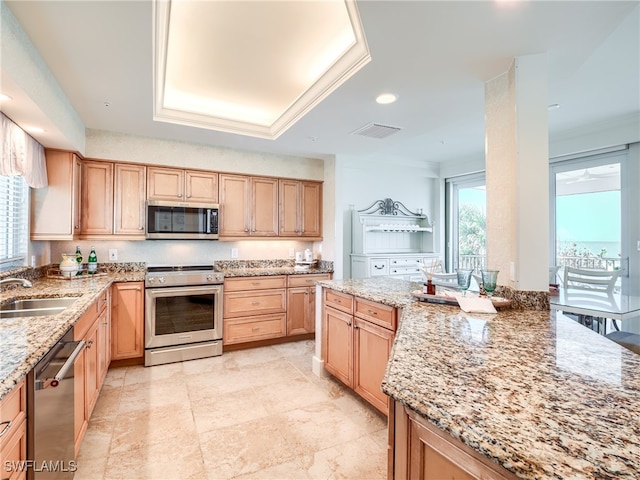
[(14, 218)]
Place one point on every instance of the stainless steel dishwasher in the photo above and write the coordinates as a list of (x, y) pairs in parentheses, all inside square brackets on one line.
[(51, 412)]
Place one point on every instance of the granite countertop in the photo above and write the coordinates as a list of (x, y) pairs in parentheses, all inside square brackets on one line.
[(534, 391), (24, 341), (256, 268)]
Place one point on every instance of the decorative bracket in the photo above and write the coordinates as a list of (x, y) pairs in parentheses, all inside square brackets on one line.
[(390, 207)]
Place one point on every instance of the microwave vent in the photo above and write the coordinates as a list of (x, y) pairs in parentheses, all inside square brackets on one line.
[(376, 130)]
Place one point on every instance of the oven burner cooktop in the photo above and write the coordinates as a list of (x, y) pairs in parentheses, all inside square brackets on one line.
[(182, 275), (179, 268)]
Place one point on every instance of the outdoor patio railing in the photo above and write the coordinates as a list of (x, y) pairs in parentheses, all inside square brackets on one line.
[(477, 262)]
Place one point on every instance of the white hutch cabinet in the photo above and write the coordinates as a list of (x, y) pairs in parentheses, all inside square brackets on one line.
[(387, 239)]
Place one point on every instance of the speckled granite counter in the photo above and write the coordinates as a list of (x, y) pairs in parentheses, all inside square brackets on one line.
[(534, 391), (254, 268), (385, 290), (24, 341)]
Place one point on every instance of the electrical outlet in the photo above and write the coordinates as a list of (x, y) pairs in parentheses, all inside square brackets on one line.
[(234, 253), (113, 254), (292, 252), (638, 245)]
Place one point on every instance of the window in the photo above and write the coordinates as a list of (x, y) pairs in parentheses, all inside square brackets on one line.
[(466, 230), (14, 232)]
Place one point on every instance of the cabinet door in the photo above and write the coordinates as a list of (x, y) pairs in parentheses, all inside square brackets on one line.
[(264, 207), (311, 209), (80, 421), (299, 315), (289, 208), (55, 209), (234, 205), (165, 184), (338, 344), (97, 198), (201, 187), (130, 195), (127, 320), (372, 349), (104, 345), (92, 362)]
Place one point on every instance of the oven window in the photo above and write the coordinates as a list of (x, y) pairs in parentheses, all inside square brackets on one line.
[(182, 314)]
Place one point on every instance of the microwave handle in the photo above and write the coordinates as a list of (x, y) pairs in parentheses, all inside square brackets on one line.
[(212, 221)]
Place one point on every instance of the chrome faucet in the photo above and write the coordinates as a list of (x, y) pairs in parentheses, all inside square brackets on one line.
[(25, 283)]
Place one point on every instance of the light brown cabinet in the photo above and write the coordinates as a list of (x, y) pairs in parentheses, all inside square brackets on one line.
[(301, 302), (300, 208), (13, 432), (97, 198), (127, 320), (421, 451), (249, 206), (55, 209), (92, 364), (255, 308), (356, 343), (177, 185), (129, 200)]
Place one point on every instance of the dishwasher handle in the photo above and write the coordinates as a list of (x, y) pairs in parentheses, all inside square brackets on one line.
[(55, 380)]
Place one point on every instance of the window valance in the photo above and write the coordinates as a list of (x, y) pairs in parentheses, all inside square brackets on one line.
[(21, 154)]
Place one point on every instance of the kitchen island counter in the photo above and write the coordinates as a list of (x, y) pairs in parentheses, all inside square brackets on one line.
[(530, 390), (24, 341), (259, 268)]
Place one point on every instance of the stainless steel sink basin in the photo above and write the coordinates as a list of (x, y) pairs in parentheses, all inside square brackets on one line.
[(36, 307)]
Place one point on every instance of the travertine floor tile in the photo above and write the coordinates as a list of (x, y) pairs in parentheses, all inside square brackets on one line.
[(217, 411), (250, 414)]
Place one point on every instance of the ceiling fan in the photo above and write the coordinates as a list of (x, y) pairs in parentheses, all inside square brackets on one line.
[(588, 176)]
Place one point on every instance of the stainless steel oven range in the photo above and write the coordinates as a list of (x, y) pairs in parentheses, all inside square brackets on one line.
[(183, 313)]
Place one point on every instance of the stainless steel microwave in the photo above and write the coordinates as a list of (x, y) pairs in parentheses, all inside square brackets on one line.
[(182, 220)]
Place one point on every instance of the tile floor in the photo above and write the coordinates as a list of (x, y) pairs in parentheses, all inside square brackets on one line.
[(250, 414)]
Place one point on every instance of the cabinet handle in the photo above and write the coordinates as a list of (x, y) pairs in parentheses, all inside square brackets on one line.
[(255, 283), (188, 196), (371, 312), (253, 231), (89, 343), (337, 300), (255, 329), (140, 228), (7, 424), (255, 303), (179, 195), (356, 327), (138, 288), (246, 230), (348, 324)]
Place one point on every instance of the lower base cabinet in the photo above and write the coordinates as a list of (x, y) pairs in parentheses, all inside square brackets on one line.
[(127, 320), (421, 451), (92, 364), (356, 343), (13, 433)]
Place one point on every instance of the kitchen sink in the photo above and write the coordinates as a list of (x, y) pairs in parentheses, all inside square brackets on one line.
[(36, 307)]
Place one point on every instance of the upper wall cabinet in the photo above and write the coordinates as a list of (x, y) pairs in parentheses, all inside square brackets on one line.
[(177, 185), (129, 200), (55, 209), (249, 206), (300, 209), (97, 198)]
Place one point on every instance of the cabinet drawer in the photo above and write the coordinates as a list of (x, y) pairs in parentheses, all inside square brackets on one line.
[(254, 283), (406, 262), (379, 266), (242, 304), (14, 453), (306, 280), (404, 271), (382, 315), (13, 411), (254, 328), (339, 301)]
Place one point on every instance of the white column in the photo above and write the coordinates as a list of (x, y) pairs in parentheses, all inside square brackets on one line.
[(517, 170)]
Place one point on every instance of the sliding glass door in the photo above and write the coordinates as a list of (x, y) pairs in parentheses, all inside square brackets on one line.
[(587, 211)]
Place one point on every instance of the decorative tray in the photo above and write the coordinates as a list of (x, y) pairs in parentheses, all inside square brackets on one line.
[(80, 274), (498, 302)]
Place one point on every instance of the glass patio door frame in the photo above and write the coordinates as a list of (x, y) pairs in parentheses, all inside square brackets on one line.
[(585, 161), (453, 186)]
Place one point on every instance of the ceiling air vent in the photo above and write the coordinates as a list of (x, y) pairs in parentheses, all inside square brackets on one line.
[(376, 130)]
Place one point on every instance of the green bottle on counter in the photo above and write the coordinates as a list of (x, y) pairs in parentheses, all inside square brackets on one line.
[(79, 260), (92, 262)]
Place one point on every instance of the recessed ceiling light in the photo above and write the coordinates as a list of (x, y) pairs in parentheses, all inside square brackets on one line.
[(4, 98), (554, 106), (107, 104), (34, 129), (386, 98)]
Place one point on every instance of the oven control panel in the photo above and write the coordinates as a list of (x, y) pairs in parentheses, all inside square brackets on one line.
[(172, 279)]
